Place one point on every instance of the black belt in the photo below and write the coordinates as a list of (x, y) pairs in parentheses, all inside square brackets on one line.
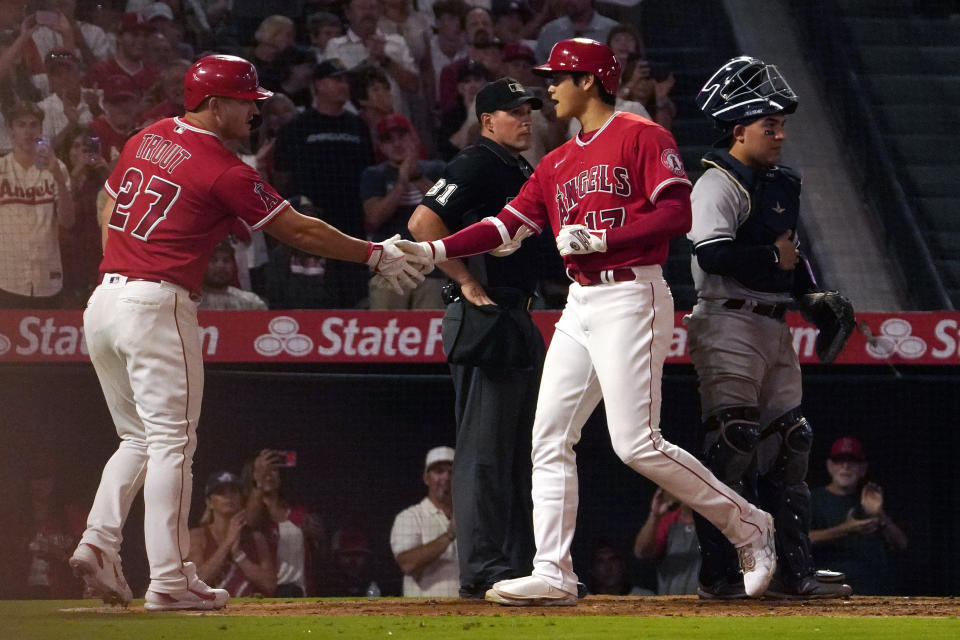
[(775, 311)]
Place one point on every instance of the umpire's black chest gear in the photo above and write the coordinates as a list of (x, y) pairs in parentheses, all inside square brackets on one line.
[(477, 183), (773, 201)]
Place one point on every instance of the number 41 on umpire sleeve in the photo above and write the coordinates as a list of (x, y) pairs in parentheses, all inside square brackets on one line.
[(159, 196)]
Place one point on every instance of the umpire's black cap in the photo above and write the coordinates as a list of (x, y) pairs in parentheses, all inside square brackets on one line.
[(506, 94)]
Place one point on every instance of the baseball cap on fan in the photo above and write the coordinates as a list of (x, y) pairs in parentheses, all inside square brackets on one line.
[(505, 94), (437, 454), (118, 88), (847, 448), (220, 479), (329, 68), (393, 122), (156, 10)]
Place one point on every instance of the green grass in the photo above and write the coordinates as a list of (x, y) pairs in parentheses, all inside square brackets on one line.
[(43, 620)]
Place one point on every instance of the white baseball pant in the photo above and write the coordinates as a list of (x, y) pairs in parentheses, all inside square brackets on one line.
[(611, 342), (144, 342)]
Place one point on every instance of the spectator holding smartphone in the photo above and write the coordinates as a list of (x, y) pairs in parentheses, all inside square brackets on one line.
[(229, 554), (65, 105), (35, 202), (79, 149), (297, 535), (669, 537)]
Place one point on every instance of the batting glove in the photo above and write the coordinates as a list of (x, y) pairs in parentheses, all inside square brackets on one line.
[(576, 239), (423, 254), (394, 267), (510, 246)]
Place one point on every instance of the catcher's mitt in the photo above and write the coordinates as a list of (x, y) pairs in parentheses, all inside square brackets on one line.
[(833, 315)]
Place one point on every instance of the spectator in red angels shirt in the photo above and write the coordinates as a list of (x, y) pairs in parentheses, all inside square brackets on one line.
[(121, 108), (128, 61)]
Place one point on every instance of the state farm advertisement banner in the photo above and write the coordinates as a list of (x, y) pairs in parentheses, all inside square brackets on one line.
[(415, 336)]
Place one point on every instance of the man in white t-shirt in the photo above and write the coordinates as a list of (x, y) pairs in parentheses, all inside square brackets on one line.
[(423, 538)]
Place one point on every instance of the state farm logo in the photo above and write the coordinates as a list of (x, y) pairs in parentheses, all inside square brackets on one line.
[(4, 344), (895, 339), (283, 336)]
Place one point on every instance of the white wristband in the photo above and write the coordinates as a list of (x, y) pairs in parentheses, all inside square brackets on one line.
[(239, 557), (439, 251)]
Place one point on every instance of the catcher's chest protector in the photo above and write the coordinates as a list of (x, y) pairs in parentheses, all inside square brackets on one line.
[(774, 208)]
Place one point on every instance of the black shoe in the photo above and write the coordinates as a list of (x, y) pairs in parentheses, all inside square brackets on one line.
[(722, 591), (581, 591), (808, 588)]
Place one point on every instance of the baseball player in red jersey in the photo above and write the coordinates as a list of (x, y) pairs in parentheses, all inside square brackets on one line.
[(175, 193), (614, 196)]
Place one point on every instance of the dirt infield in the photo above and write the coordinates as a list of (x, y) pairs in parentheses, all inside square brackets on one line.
[(665, 606)]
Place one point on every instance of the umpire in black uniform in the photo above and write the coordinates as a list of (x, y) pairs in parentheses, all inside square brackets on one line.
[(495, 352)]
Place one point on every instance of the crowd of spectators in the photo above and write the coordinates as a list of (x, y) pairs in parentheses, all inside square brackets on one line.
[(255, 534), (371, 96)]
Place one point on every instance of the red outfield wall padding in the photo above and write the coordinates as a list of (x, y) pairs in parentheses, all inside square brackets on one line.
[(414, 336)]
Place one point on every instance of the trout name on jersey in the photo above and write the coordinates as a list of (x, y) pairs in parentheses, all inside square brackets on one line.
[(164, 153), (597, 179)]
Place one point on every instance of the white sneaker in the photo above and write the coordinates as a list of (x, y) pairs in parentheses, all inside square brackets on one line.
[(758, 560), (530, 591), (101, 574), (199, 597)]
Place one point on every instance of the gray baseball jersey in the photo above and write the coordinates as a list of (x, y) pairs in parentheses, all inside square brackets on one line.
[(720, 207)]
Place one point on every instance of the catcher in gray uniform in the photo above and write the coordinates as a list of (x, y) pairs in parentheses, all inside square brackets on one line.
[(748, 271)]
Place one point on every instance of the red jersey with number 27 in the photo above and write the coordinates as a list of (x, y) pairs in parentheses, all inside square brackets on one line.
[(178, 193), (606, 182)]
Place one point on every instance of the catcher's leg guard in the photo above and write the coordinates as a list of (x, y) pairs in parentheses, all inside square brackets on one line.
[(784, 493), (728, 443)]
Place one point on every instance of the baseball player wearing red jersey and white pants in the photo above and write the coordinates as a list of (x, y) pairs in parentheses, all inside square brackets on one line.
[(614, 197), (175, 193)]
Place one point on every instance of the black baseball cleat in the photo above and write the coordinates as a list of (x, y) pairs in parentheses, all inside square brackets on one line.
[(722, 590), (808, 588)]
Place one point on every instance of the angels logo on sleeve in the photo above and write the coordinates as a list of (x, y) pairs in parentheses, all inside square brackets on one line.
[(671, 160), (270, 201)]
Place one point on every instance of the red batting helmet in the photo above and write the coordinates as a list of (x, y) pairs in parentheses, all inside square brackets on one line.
[(221, 75), (583, 54)]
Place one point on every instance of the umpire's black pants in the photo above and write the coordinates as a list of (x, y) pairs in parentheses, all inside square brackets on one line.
[(492, 506)]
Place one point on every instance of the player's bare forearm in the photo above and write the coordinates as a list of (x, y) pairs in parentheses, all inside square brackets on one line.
[(426, 225), (316, 237)]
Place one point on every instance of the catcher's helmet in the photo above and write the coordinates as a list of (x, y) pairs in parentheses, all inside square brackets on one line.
[(583, 54), (221, 75), (745, 88)]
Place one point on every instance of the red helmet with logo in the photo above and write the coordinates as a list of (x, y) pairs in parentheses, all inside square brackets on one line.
[(583, 54), (221, 75)]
